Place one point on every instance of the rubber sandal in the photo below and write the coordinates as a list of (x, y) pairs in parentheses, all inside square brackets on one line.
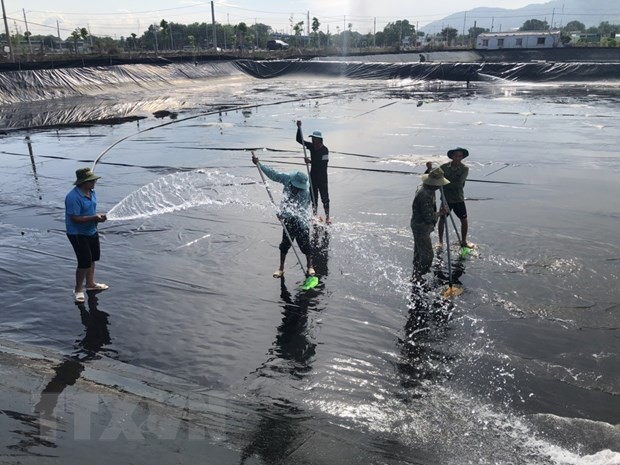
[(311, 271), (98, 287), (78, 297), (278, 274)]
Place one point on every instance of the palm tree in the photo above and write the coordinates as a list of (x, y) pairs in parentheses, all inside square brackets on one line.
[(165, 27), (298, 28), (315, 29), (75, 35), (84, 35), (242, 30)]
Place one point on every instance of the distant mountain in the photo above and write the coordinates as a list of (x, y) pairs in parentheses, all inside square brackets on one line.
[(556, 12)]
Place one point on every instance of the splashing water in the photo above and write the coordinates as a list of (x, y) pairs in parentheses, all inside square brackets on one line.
[(180, 191)]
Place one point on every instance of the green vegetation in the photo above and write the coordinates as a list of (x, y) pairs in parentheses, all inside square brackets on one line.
[(168, 38)]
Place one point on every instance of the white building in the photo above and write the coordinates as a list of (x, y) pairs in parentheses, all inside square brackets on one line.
[(518, 40)]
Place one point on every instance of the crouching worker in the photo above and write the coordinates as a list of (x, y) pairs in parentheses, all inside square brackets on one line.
[(294, 213), (423, 220)]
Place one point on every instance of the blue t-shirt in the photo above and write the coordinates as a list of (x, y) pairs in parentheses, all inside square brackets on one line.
[(77, 204)]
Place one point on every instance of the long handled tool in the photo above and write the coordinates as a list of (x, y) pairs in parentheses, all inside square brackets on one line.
[(303, 144), (464, 250), (451, 291), (311, 281)]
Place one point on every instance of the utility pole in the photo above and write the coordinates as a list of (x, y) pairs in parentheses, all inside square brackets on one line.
[(374, 34), (552, 15), (472, 40), (214, 27), (58, 32), (464, 22), (8, 34)]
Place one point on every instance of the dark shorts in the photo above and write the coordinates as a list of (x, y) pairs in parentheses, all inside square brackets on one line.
[(459, 209), (320, 186), (86, 249), (298, 233)]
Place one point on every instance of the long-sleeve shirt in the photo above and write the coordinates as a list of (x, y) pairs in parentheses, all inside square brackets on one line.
[(318, 159), (295, 202), (423, 211), (457, 176)]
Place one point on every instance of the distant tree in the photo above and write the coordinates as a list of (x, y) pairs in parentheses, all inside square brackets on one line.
[(474, 32), (575, 26), (165, 29), (241, 32), (380, 39), (262, 32), (315, 31), (565, 38), (449, 34), (75, 35), (105, 45), (394, 33), (27, 35), (534, 25), (298, 28), (608, 30)]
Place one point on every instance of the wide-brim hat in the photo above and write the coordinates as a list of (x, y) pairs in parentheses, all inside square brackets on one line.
[(317, 135), (458, 149), (435, 178), (84, 175), (299, 179)]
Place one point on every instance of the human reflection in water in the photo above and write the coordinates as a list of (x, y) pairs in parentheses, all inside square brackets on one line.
[(440, 272), (97, 335), (293, 344), (41, 426), (280, 429), (320, 244), (425, 347)]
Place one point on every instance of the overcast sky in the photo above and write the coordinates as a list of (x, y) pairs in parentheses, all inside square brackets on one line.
[(118, 18)]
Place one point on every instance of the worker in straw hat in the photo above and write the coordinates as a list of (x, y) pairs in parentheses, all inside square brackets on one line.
[(456, 172), (81, 219), (294, 213), (424, 217)]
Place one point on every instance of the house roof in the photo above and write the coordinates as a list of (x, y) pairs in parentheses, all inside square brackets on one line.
[(518, 34)]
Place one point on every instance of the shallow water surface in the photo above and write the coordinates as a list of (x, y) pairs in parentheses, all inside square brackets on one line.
[(512, 371)]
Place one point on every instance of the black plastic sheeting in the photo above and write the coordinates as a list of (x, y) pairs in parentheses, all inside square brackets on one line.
[(47, 84), (88, 95), (533, 72)]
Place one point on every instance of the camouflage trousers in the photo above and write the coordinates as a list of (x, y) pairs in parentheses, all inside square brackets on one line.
[(422, 253)]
